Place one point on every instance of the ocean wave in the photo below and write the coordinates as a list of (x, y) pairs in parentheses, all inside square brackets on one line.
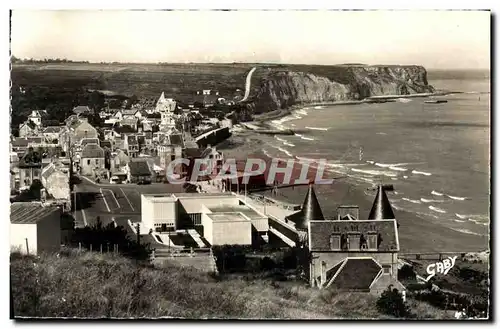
[(436, 193), (466, 231), (421, 173), (288, 144), (298, 135), (297, 117), (303, 112), (318, 128), (404, 100), (280, 139), (285, 151), (436, 209), (307, 138), (381, 133), (305, 159), (393, 178), (374, 172), (459, 221), (430, 200), (266, 153), (459, 198), (318, 107), (369, 161), (397, 168), (405, 177), (412, 201), (395, 165)]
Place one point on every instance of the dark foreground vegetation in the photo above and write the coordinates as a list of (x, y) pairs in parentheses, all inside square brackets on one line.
[(90, 284)]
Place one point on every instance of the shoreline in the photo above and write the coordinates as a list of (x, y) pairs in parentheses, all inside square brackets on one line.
[(417, 233)]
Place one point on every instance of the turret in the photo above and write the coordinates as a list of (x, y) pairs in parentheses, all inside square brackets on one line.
[(381, 208)]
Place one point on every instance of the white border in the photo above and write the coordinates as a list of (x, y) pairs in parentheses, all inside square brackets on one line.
[(255, 4)]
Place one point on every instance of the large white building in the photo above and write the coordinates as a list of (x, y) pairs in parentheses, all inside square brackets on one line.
[(223, 218), (34, 228)]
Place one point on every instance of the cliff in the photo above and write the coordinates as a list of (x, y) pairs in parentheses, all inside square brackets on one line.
[(280, 88)]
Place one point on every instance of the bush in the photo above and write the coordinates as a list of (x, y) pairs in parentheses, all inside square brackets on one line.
[(406, 273), (391, 303)]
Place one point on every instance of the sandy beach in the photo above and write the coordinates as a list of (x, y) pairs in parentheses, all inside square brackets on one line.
[(416, 234)]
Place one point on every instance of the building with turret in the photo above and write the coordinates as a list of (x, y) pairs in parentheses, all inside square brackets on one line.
[(346, 252)]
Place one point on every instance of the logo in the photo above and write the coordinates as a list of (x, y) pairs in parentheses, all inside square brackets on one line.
[(440, 267)]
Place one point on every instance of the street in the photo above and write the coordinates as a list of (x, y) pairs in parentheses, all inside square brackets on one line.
[(108, 202)]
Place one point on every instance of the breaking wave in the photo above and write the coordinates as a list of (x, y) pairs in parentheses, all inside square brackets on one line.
[(318, 107), (280, 139), (318, 128), (374, 172), (405, 177), (421, 173), (436, 209), (288, 144), (412, 201), (430, 200), (466, 231), (303, 112), (307, 138), (285, 151), (298, 135), (436, 193), (456, 197), (459, 221), (305, 159), (397, 168)]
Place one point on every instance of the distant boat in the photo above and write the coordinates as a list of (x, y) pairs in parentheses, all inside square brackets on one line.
[(436, 101)]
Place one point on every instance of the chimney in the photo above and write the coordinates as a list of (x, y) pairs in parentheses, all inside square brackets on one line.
[(381, 208)]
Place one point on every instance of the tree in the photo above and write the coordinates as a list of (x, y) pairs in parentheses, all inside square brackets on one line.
[(391, 303)]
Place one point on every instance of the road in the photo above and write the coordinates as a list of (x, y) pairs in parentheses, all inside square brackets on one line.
[(248, 84), (109, 202)]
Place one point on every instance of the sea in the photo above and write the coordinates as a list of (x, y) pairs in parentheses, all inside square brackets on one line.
[(436, 156)]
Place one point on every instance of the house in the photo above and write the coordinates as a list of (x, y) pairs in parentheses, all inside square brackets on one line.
[(346, 252), (119, 160), (117, 115), (36, 118), (86, 141), (35, 228), (82, 110), (92, 159), (215, 158), (131, 145), (131, 114), (30, 167), (207, 100), (55, 179), (27, 128), (167, 154), (83, 130), (51, 133), (165, 104), (131, 122), (19, 145), (138, 172)]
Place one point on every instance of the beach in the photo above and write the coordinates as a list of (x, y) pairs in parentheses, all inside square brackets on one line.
[(423, 154)]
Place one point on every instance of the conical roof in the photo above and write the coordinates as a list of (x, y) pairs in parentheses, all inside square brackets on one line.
[(311, 210), (381, 208)]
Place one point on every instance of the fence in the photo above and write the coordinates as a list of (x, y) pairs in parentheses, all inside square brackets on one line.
[(99, 248)]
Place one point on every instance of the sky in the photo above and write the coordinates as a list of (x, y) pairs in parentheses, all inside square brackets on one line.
[(435, 39)]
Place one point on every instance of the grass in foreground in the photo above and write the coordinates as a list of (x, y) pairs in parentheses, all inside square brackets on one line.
[(94, 285)]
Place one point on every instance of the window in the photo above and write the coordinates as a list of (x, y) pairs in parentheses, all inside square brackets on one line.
[(335, 242), (372, 241), (387, 269), (362, 242), (88, 162), (353, 241), (96, 161)]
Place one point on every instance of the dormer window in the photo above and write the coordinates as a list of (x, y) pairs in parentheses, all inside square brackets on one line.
[(353, 239), (335, 239), (372, 241)]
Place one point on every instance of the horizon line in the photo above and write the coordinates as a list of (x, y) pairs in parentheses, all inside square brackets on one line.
[(75, 61)]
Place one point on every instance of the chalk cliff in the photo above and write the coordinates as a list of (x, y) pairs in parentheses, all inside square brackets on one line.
[(280, 88)]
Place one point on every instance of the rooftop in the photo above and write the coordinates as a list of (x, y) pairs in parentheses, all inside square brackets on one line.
[(29, 213), (247, 211), (139, 168), (227, 217), (92, 151)]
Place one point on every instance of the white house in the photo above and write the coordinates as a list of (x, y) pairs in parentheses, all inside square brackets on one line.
[(35, 228)]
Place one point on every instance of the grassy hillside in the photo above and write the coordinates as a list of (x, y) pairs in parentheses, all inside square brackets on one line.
[(94, 285)]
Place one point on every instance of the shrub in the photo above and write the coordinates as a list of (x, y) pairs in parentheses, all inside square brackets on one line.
[(391, 303)]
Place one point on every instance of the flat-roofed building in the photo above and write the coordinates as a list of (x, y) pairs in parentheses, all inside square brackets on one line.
[(35, 228), (227, 228), (215, 215)]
